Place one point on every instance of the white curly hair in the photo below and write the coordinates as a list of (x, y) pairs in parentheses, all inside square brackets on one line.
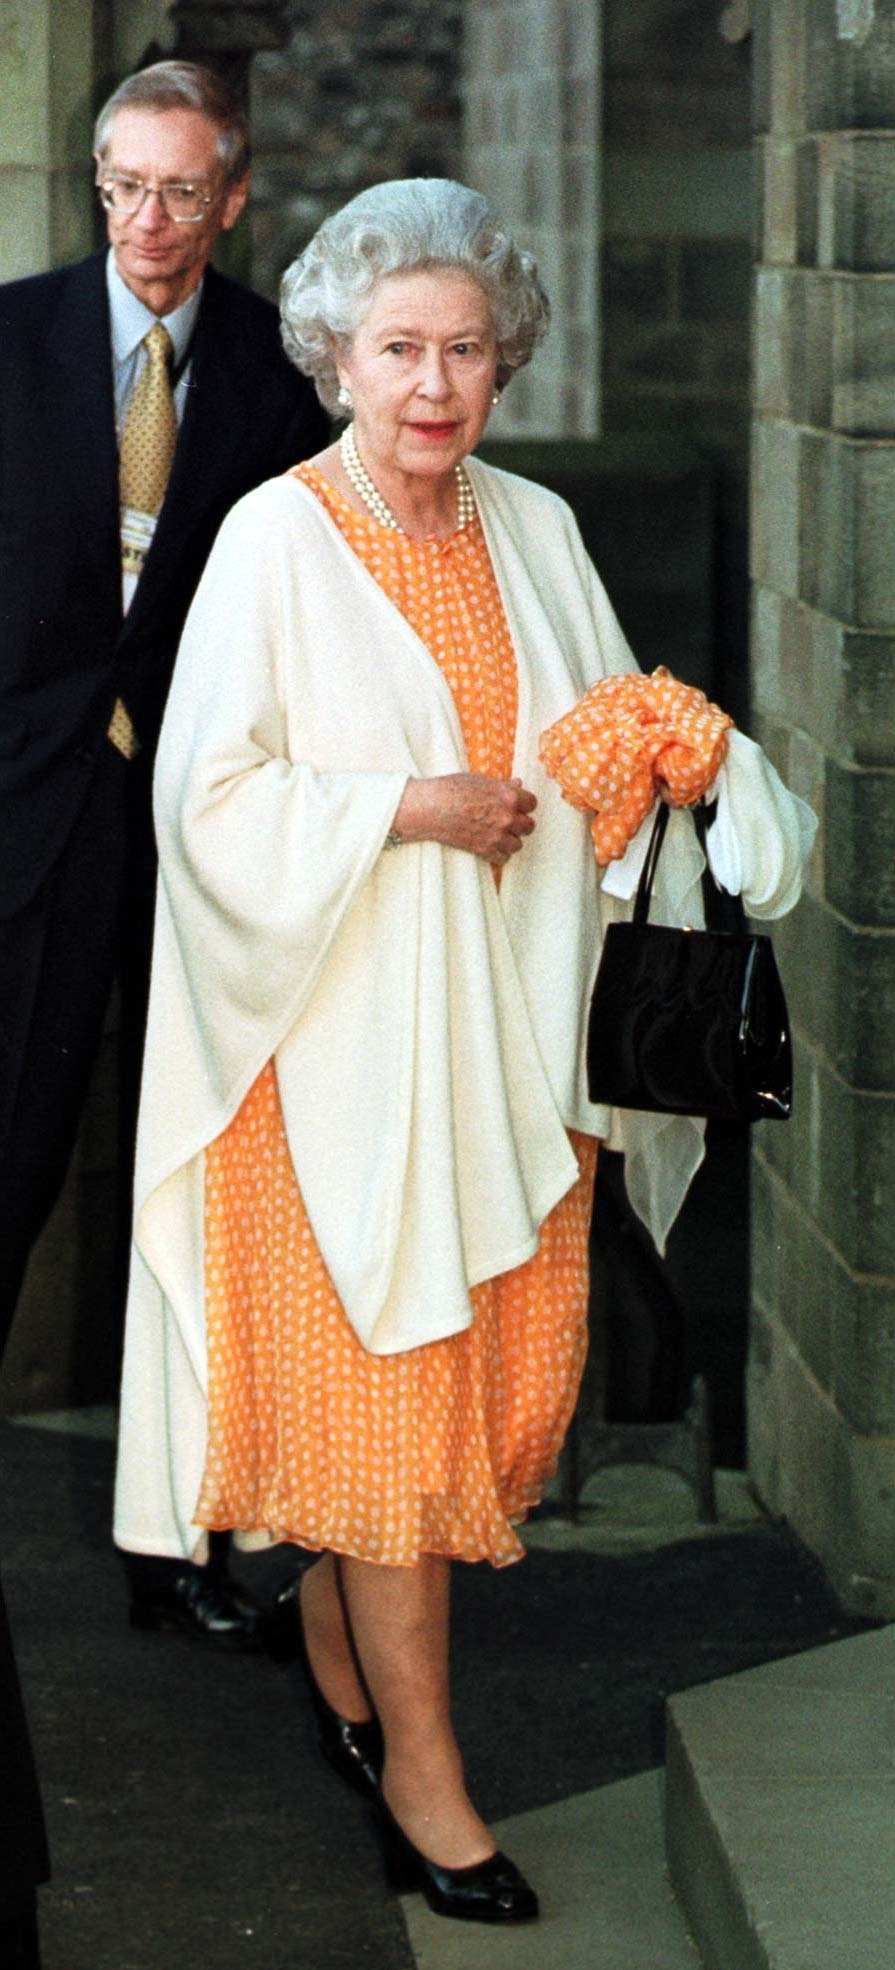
[(406, 225)]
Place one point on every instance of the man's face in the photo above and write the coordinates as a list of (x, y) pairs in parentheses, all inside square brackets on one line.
[(160, 260)]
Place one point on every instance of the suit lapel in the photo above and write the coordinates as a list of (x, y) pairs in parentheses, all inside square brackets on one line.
[(80, 410), (212, 438)]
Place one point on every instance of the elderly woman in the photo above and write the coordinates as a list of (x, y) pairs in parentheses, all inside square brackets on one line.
[(359, 1290)]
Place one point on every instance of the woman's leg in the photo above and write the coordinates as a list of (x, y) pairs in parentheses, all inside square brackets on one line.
[(328, 1640), (399, 1618)]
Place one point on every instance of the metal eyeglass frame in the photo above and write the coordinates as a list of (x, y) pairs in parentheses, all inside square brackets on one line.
[(106, 187)]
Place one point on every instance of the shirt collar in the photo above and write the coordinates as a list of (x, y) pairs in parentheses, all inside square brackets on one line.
[(131, 319)]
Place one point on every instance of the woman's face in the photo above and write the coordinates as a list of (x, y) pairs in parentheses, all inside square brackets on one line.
[(421, 369)]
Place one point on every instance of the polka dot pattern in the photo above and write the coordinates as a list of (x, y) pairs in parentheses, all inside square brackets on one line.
[(442, 1449), (627, 735)]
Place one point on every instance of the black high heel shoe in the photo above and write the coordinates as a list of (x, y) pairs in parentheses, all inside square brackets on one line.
[(490, 1891), (354, 1750)]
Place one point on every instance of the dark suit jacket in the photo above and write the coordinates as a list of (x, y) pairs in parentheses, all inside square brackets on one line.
[(66, 650)]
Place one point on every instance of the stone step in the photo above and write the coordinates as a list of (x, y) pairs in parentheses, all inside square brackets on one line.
[(780, 1810), (598, 1863)]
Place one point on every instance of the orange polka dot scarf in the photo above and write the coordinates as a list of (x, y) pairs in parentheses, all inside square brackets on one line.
[(626, 737)]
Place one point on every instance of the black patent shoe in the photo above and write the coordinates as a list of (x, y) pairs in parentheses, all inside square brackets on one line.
[(198, 1602), (490, 1891), (354, 1750)]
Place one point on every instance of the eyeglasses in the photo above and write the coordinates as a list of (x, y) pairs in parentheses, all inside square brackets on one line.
[(185, 204)]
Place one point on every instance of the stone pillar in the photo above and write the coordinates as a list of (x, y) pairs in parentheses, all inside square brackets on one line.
[(822, 1370), (46, 80), (531, 142)]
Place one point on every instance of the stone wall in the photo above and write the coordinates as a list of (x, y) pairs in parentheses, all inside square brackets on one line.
[(363, 90), (531, 100), (822, 1376)]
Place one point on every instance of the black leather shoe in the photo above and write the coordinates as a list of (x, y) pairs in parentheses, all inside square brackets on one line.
[(354, 1750), (490, 1891), (200, 1603)]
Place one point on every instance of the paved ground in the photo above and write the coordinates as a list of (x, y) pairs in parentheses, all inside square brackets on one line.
[(190, 1818)]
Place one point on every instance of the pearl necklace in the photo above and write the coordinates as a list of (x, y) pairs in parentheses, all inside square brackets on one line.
[(358, 476)]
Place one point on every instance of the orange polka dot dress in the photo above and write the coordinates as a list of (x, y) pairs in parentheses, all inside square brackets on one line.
[(312, 1439)]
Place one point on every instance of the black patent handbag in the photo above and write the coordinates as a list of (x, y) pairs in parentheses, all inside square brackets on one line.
[(688, 1022)]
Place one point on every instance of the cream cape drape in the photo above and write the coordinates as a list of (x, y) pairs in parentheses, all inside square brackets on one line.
[(428, 1032)]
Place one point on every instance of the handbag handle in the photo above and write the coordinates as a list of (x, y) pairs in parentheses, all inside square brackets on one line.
[(714, 898), (648, 872)]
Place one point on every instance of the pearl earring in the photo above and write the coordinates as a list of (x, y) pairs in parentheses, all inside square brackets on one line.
[(344, 398), (495, 399)]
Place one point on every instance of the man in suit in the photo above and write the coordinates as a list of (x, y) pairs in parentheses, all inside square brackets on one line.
[(122, 447)]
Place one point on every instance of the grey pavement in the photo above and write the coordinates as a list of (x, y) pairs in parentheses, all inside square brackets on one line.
[(191, 1819)]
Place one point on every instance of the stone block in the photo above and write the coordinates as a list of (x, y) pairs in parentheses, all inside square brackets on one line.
[(863, 1366), (834, 1485), (786, 201), (777, 167), (841, 1324), (836, 681), (25, 222), (778, 1811), (840, 982), (863, 356), (847, 503), (793, 345), (856, 202), (794, 665), (776, 492), (770, 613), (781, 31), (807, 201), (797, 757), (865, 703), (856, 1155), (860, 844), (825, 349)]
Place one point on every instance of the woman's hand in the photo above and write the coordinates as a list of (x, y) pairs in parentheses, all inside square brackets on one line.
[(487, 817)]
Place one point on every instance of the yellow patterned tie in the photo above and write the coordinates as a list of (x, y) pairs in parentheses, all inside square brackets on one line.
[(148, 444), (148, 441)]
